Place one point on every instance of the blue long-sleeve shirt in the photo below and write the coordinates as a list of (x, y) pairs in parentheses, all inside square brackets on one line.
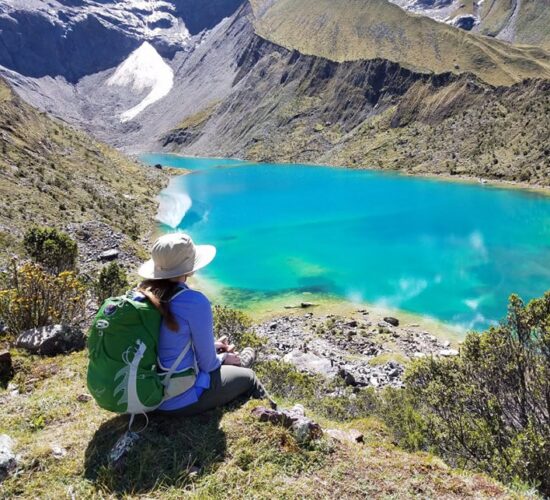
[(193, 313)]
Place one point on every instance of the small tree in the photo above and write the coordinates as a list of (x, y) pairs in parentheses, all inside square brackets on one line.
[(51, 248), (112, 281)]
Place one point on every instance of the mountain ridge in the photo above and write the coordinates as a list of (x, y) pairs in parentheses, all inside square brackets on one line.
[(355, 30)]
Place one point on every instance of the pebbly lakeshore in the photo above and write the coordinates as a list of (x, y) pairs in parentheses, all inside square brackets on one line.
[(365, 348)]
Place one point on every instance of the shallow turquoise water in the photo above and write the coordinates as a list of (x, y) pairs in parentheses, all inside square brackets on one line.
[(447, 250)]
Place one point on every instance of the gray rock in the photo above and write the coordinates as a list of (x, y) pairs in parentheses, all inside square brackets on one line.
[(8, 461), (302, 427), (392, 321), (393, 373), (122, 447), (58, 451), (310, 362), (348, 377), (448, 353), (51, 340), (351, 436), (109, 255)]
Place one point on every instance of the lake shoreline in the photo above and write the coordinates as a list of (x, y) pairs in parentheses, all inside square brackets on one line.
[(442, 177), (295, 305), (362, 348)]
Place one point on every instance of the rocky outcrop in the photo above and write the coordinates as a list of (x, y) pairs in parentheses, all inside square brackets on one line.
[(363, 350), (294, 419)]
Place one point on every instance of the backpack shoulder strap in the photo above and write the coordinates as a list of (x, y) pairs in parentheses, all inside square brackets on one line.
[(168, 374)]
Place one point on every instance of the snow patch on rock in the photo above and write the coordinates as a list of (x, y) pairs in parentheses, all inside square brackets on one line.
[(144, 69)]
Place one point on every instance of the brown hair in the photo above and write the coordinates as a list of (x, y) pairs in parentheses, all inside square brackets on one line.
[(159, 293)]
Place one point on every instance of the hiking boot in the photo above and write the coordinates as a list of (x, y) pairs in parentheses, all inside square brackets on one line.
[(248, 357)]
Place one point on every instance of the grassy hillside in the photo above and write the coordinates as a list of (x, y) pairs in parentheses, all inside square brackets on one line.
[(349, 30), (53, 174), (450, 130), (63, 441)]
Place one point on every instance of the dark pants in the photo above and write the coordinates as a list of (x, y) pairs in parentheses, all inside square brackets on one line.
[(227, 384)]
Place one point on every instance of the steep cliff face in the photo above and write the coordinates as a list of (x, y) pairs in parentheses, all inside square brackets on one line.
[(275, 90), (35, 45)]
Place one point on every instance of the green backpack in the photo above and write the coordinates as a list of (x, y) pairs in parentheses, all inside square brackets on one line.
[(123, 374)]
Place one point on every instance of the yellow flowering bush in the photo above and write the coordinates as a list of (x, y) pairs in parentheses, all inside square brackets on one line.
[(33, 298)]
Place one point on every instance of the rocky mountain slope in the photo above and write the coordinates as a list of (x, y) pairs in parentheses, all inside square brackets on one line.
[(350, 30), (287, 106), (347, 82), (518, 21), (54, 174)]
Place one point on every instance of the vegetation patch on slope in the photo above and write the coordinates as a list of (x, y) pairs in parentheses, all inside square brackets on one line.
[(63, 440), (53, 175)]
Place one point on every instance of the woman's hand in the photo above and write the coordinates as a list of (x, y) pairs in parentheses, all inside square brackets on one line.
[(223, 346), (232, 358)]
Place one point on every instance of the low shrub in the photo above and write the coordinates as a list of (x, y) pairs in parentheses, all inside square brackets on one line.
[(112, 281), (51, 248), (489, 407), (236, 326), (329, 398), (32, 298)]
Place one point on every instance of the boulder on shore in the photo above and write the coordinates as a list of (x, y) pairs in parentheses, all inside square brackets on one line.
[(51, 340), (392, 321)]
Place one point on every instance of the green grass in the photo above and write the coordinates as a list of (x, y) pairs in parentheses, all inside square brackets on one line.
[(349, 30), (222, 454)]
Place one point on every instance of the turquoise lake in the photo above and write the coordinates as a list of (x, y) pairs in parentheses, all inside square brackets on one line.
[(450, 251)]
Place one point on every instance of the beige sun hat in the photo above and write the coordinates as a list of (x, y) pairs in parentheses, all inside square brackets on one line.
[(175, 255)]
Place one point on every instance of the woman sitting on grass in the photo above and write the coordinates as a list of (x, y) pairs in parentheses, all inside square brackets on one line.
[(223, 375)]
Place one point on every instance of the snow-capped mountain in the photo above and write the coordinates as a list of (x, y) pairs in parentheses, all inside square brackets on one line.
[(74, 38)]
